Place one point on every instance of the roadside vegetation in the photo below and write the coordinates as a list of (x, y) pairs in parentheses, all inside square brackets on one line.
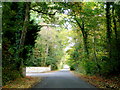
[(112, 82), (84, 35), (26, 82)]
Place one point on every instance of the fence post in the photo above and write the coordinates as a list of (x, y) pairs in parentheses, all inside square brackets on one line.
[(24, 71)]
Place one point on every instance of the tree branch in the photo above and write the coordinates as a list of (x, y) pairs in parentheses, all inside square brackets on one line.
[(44, 12), (78, 24)]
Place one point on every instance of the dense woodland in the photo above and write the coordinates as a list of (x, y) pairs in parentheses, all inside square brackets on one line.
[(84, 35)]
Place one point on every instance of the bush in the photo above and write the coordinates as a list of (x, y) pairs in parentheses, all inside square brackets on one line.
[(72, 68), (9, 74), (90, 67)]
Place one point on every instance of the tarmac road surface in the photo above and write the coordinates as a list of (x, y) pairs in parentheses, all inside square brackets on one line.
[(60, 79)]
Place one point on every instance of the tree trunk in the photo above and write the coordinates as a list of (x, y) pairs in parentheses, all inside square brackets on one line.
[(94, 50), (114, 21), (84, 33), (23, 34), (115, 27), (116, 36), (108, 21)]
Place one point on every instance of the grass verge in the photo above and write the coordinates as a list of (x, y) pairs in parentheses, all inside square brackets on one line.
[(26, 82), (50, 71), (100, 82)]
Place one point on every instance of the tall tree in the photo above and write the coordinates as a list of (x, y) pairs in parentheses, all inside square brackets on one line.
[(108, 20), (24, 31)]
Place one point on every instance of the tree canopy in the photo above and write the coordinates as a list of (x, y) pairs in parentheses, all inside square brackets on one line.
[(84, 35)]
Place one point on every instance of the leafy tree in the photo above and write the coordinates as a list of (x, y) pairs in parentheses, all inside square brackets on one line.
[(13, 44), (83, 34)]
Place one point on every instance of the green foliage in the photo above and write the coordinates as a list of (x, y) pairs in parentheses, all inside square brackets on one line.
[(48, 49), (11, 29), (9, 74), (101, 60), (52, 28), (12, 21)]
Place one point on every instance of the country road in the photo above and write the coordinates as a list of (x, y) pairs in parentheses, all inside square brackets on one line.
[(60, 79)]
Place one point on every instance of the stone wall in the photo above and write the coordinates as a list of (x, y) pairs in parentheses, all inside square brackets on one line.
[(37, 69)]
